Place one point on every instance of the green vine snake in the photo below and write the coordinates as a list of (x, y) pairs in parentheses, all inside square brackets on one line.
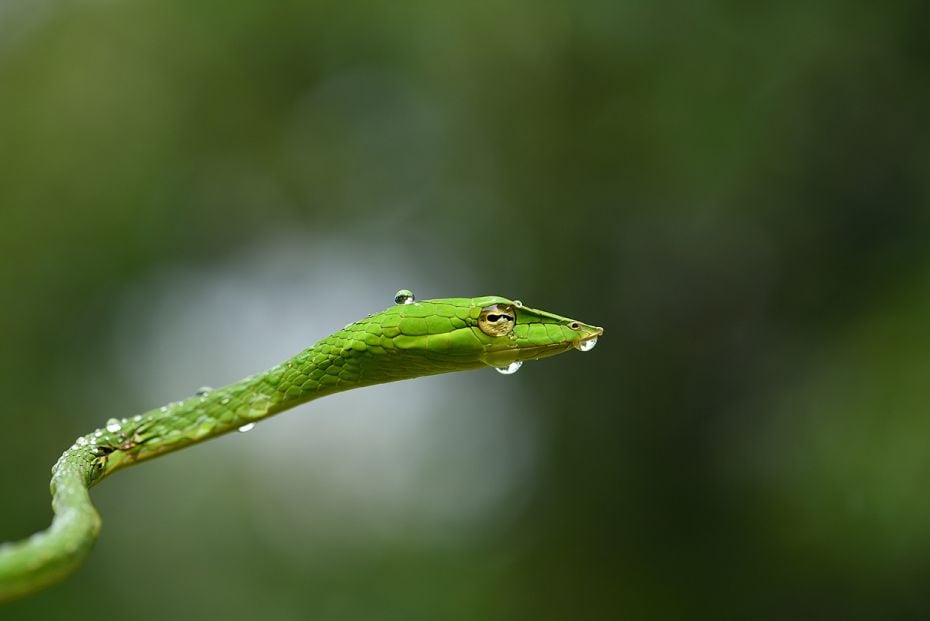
[(409, 339)]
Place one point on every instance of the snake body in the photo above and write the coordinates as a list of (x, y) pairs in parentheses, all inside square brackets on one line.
[(410, 339)]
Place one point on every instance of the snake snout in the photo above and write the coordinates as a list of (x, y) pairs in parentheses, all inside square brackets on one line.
[(588, 339)]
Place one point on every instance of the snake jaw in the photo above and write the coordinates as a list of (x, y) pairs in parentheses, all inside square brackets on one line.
[(503, 357)]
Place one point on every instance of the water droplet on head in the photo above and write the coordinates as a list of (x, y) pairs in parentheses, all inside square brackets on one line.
[(511, 368), (163, 408), (247, 427), (404, 296), (518, 303), (203, 390), (587, 345), (113, 425), (81, 441)]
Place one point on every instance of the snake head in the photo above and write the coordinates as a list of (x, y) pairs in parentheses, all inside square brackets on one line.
[(438, 336), (512, 332)]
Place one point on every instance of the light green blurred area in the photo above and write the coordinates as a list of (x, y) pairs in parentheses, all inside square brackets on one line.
[(192, 191)]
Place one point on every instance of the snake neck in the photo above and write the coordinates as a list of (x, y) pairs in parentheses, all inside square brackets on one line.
[(359, 355), (321, 370)]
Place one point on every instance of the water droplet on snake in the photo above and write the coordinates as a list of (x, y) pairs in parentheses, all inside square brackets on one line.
[(203, 390), (518, 303), (587, 345), (247, 427), (404, 296), (510, 369), (113, 425)]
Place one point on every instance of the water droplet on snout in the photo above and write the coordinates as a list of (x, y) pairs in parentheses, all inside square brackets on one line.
[(587, 345), (203, 390), (247, 427), (404, 296), (113, 425), (510, 369)]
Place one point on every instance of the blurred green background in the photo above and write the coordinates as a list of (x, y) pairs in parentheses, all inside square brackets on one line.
[(739, 192)]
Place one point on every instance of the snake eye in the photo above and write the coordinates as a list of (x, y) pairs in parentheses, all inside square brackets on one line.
[(497, 319)]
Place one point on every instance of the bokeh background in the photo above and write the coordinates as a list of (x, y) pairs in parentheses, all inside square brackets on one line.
[(192, 191)]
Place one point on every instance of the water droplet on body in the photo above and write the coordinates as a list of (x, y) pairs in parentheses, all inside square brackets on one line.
[(588, 344), (510, 369), (404, 296), (247, 427), (203, 390), (113, 425)]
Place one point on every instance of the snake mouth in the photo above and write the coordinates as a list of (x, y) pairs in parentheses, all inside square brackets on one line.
[(587, 339)]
